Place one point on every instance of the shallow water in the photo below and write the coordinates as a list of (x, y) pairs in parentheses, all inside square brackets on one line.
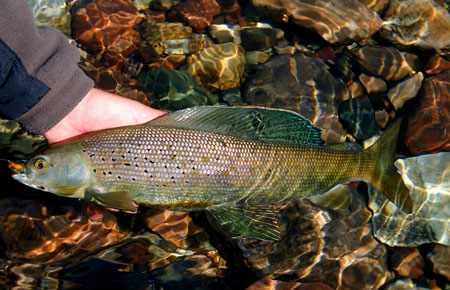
[(50, 242)]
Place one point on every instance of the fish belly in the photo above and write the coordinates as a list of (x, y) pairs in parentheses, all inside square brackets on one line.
[(192, 169)]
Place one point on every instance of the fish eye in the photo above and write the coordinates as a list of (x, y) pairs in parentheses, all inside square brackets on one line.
[(40, 163)]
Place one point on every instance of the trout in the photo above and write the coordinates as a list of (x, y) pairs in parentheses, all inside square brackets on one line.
[(237, 163)]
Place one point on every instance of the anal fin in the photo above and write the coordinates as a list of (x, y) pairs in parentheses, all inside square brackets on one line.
[(257, 221)]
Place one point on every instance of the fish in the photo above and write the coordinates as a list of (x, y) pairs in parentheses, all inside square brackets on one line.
[(237, 163)]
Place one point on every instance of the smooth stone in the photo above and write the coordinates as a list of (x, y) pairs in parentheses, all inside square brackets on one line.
[(372, 84), (164, 4), (382, 118), (108, 27), (407, 262), (142, 4), (47, 231), (358, 116), (173, 89), (428, 179), (186, 46), (420, 23), (439, 257), (171, 62), (299, 83), (53, 13), (258, 57), (222, 33), (402, 284), (376, 5), (386, 62), (112, 81), (219, 66), (269, 284), (405, 90), (436, 64), (336, 21), (198, 14), (321, 245), (154, 34), (256, 38), (428, 127), (356, 89)]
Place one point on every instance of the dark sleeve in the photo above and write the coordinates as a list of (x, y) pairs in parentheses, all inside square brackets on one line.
[(40, 81)]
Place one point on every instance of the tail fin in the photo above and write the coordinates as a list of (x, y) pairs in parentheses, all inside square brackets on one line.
[(386, 178)]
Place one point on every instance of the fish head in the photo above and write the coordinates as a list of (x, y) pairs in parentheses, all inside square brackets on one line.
[(62, 170)]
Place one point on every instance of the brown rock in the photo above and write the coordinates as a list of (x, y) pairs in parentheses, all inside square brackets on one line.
[(198, 14), (419, 23), (171, 62), (386, 62), (372, 84), (436, 64), (405, 90), (440, 259), (48, 232), (429, 124), (336, 21), (112, 81), (376, 5), (106, 26), (269, 284), (407, 262), (219, 66), (170, 225)]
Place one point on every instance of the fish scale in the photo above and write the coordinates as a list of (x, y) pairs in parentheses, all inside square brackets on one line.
[(169, 165), (237, 163)]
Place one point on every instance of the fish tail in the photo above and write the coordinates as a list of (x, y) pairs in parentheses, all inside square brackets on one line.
[(385, 176)]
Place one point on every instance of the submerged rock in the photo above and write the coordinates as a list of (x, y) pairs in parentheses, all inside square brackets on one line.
[(269, 284), (372, 84), (53, 13), (219, 66), (405, 90), (321, 245), (436, 64), (386, 62), (407, 262), (358, 116), (49, 231), (223, 33), (420, 23), (197, 14), (336, 21), (299, 83), (428, 178), (428, 129), (154, 34), (439, 257), (111, 81), (108, 27), (259, 38), (174, 90)]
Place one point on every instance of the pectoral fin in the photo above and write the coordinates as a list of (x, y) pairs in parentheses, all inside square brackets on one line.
[(118, 200), (257, 221)]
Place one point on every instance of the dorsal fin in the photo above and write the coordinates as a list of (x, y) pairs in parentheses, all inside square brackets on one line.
[(253, 123)]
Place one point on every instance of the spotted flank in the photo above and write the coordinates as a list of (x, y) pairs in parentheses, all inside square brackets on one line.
[(238, 163)]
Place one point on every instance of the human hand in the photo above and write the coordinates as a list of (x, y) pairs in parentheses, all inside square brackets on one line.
[(100, 110)]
